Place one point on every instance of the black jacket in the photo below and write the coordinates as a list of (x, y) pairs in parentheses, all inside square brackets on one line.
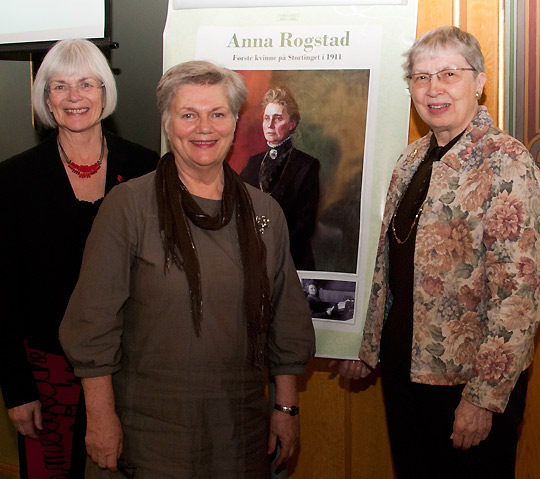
[(297, 192), (42, 236)]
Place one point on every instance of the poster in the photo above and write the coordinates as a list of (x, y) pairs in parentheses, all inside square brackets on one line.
[(343, 66)]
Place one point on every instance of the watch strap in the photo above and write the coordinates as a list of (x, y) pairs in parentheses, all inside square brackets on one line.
[(290, 410)]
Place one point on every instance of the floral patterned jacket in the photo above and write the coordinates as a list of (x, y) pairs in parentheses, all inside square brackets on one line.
[(476, 276)]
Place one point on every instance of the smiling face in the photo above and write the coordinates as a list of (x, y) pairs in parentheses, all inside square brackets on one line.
[(277, 124), (76, 101), (200, 128), (447, 108)]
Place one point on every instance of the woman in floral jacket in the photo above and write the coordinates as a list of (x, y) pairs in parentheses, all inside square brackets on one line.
[(453, 308)]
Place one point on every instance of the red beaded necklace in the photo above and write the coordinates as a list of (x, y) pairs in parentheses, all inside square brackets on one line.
[(83, 171)]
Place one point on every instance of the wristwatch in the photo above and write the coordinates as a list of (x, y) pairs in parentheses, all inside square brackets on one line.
[(291, 411)]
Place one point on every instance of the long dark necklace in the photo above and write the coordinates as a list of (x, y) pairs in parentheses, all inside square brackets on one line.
[(83, 171)]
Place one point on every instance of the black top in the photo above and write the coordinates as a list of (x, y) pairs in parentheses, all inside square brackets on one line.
[(396, 340), (294, 184), (42, 236)]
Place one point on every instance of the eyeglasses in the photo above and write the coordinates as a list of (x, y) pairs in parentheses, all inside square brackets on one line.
[(85, 87), (447, 76)]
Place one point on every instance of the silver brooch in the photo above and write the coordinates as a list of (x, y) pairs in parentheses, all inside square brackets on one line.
[(262, 222), (273, 154)]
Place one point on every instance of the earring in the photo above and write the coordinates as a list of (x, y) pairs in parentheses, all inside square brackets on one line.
[(478, 95)]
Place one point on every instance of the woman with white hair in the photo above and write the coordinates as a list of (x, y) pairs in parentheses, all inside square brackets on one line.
[(49, 196)]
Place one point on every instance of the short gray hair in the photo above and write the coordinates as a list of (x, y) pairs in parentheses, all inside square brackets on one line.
[(72, 57), (200, 73), (445, 37)]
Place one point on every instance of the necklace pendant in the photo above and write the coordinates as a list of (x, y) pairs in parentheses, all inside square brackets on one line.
[(273, 153)]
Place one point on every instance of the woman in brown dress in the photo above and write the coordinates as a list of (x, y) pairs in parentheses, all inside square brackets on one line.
[(187, 289)]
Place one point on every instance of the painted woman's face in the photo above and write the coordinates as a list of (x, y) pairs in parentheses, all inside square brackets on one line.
[(277, 124)]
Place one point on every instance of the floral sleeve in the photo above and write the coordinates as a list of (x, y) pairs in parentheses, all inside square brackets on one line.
[(511, 241)]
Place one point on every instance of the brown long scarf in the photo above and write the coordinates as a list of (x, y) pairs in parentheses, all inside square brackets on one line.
[(175, 206)]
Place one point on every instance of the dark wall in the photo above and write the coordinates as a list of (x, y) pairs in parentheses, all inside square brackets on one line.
[(137, 25)]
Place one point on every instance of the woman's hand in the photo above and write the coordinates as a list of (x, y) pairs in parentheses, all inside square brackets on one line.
[(472, 425), (27, 418), (284, 428), (104, 440), (351, 369), (104, 436)]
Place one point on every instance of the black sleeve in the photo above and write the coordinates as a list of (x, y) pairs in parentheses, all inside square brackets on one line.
[(16, 379)]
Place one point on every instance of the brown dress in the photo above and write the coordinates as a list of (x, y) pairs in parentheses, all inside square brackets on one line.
[(190, 407)]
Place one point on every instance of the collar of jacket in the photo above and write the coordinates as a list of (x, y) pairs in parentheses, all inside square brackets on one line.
[(460, 151)]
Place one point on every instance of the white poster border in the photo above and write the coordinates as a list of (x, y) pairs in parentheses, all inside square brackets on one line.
[(188, 4)]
